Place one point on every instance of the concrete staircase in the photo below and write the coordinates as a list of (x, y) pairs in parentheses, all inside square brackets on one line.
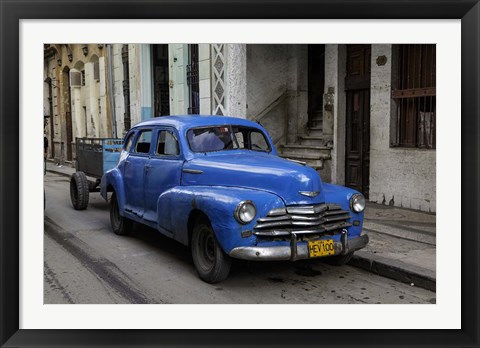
[(312, 147)]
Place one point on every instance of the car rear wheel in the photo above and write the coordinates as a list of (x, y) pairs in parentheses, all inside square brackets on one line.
[(211, 262), (120, 225), (338, 260), (79, 193)]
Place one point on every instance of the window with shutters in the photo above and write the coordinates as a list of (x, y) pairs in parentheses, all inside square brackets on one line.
[(414, 94)]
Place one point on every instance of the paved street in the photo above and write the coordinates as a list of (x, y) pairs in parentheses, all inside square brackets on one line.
[(85, 262)]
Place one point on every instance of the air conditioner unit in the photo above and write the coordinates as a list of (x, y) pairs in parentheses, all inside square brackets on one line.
[(75, 79)]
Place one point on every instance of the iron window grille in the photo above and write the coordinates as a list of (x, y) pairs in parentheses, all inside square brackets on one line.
[(415, 96), (193, 80)]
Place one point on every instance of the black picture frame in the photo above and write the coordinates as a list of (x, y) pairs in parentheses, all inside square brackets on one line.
[(12, 11)]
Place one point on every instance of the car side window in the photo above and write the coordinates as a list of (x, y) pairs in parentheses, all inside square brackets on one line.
[(258, 142), (240, 139), (167, 144), (128, 142), (143, 142)]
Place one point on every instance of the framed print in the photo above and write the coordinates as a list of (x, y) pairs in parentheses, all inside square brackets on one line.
[(176, 33)]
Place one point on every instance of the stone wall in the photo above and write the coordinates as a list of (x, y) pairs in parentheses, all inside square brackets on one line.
[(398, 176), (118, 89), (335, 71), (89, 101), (205, 91), (236, 70)]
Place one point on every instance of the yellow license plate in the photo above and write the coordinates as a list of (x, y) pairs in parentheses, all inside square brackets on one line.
[(318, 248)]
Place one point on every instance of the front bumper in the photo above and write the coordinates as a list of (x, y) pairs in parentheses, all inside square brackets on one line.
[(296, 251)]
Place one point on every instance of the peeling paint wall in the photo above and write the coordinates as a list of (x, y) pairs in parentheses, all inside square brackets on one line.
[(104, 128), (134, 61), (277, 89), (178, 59), (335, 72), (118, 89), (88, 101), (236, 70), (51, 70), (146, 82), (398, 176), (205, 90)]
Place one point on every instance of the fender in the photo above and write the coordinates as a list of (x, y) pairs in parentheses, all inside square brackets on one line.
[(218, 203), (113, 178), (341, 195)]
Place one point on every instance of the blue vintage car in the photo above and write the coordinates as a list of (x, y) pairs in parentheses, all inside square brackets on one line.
[(217, 185)]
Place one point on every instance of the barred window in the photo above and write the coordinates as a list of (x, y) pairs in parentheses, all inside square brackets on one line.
[(193, 80), (415, 96)]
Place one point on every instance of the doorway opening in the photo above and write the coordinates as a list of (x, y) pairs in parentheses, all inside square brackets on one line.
[(316, 82), (161, 88), (357, 90)]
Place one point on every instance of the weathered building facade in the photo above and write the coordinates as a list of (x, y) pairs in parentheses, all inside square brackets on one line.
[(74, 96), (362, 115)]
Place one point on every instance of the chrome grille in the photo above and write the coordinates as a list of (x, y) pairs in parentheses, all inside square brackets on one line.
[(302, 220)]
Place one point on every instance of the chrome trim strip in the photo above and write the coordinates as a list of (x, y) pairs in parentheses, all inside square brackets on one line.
[(309, 193), (272, 233), (324, 228), (277, 212), (192, 171), (275, 218), (296, 161)]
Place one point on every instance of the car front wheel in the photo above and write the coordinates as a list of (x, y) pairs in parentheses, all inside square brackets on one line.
[(211, 262), (120, 225)]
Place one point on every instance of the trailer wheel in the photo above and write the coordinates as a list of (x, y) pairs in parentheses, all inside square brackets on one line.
[(79, 190)]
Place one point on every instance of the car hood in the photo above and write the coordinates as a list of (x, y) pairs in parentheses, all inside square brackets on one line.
[(255, 170)]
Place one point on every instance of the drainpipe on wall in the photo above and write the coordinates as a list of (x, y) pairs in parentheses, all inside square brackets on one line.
[(126, 88), (111, 96)]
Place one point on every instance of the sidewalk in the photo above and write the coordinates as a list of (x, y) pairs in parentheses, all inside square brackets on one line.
[(402, 242), (402, 245)]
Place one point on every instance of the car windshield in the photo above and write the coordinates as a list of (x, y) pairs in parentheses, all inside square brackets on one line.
[(219, 138)]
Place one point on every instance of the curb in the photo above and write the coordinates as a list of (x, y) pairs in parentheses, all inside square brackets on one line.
[(383, 267)]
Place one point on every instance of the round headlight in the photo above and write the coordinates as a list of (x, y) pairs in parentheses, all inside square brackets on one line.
[(245, 212), (357, 203)]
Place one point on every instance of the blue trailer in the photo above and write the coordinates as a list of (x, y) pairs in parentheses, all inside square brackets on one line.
[(94, 156)]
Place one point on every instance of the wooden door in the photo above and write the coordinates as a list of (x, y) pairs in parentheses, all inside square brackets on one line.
[(357, 88)]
